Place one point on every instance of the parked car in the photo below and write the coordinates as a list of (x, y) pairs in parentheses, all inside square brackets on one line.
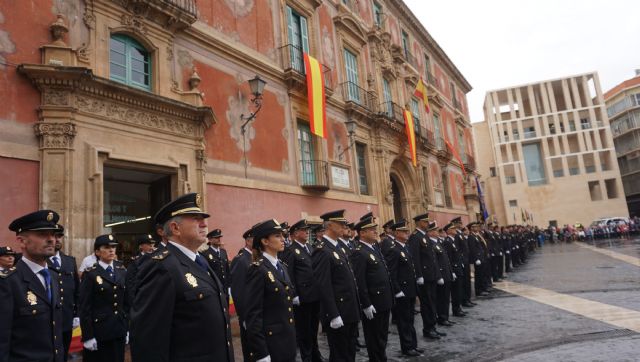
[(607, 221)]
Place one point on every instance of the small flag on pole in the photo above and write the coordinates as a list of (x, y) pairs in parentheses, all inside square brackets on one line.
[(411, 136), (316, 96), (421, 93)]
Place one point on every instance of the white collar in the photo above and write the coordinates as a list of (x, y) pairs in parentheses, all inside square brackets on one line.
[(301, 244), (249, 250), (217, 250), (35, 268), (105, 265), (391, 237), (333, 242), (57, 256), (433, 239), (271, 259), (423, 232), (190, 254), (398, 241), (367, 244)]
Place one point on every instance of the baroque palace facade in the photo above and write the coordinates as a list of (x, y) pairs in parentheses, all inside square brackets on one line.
[(113, 107)]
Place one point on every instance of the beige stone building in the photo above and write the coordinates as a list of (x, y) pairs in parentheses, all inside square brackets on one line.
[(545, 150), (623, 109)]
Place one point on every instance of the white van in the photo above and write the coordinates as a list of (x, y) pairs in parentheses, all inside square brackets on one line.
[(610, 220)]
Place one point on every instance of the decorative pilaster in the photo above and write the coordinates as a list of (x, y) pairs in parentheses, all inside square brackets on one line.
[(55, 135)]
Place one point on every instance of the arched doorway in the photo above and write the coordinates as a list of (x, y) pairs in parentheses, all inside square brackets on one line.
[(396, 193)]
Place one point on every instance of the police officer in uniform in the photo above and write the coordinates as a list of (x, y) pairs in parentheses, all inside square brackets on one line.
[(217, 257), (269, 293), (102, 305), (239, 266), (404, 288), (478, 254), (180, 310), (374, 289), (7, 258), (30, 301), (443, 285), (69, 282), (457, 267), (339, 296), (145, 244), (306, 303), (387, 241)]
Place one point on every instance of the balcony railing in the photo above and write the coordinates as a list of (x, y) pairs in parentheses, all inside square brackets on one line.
[(314, 174), (529, 134), (440, 144), (538, 182), (427, 136), (431, 79), (188, 6), (447, 201), (509, 179), (391, 111), (352, 92), (292, 59), (411, 59), (469, 162)]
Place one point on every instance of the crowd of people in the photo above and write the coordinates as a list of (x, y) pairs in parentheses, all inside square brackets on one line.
[(288, 283), (596, 231)]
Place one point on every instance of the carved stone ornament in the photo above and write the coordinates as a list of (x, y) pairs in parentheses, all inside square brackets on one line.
[(55, 97), (388, 196), (55, 135), (134, 22), (58, 31)]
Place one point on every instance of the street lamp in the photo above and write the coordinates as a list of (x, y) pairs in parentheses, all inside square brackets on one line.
[(257, 86), (351, 132)]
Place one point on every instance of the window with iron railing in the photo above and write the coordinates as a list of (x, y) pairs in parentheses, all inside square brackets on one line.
[(377, 14), (362, 168), (298, 38), (351, 70)]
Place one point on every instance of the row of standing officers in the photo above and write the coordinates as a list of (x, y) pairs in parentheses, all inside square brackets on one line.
[(172, 302)]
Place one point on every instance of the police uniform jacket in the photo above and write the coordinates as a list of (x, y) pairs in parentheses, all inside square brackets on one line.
[(239, 266), (424, 257), (69, 283), (386, 243), (477, 248), (269, 313), (463, 247), (401, 270), (443, 260), (300, 268), (180, 312), (335, 279), (103, 304), (455, 256), (30, 324), (219, 264), (131, 278), (372, 278)]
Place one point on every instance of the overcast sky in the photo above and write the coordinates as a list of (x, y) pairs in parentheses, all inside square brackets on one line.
[(502, 43)]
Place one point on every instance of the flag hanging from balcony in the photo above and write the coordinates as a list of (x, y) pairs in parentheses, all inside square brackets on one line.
[(316, 96), (421, 93), (456, 155), (411, 136)]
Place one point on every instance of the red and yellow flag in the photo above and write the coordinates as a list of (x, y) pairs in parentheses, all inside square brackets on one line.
[(421, 93), (456, 155), (315, 94), (411, 136)]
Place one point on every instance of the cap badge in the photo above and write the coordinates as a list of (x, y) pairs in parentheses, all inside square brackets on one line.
[(99, 279), (198, 200), (50, 216), (270, 275), (191, 280), (111, 237), (31, 298)]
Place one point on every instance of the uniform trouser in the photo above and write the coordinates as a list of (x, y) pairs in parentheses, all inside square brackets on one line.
[(306, 315), (496, 262), (66, 342), (342, 346), (108, 351), (507, 262), (376, 331), (478, 277), (456, 292), (500, 265), (403, 310), (466, 284), (427, 295), (243, 340), (443, 297)]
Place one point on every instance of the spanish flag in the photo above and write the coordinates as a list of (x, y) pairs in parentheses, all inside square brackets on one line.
[(411, 136), (421, 93), (456, 155), (315, 94)]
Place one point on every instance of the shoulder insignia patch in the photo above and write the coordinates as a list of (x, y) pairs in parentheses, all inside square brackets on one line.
[(7, 272), (93, 267), (161, 256)]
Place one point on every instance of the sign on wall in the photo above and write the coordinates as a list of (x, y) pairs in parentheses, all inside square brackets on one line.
[(340, 177)]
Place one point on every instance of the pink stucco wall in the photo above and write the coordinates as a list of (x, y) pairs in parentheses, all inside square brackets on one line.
[(18, 194)]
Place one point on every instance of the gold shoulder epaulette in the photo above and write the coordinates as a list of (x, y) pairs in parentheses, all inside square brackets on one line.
[(258, 262), (161, 256), (7, 272), (120, 266), (93, 267)]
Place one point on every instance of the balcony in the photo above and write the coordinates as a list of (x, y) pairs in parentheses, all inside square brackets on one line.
[(470, 192), (314, 175), (433, 81), (509, 180), (442, 150), (538, 182), (427, 138), (391, 112), (447, 201), (529, 134), (358, 100), (292, 62), (171, 14), (469, 163)]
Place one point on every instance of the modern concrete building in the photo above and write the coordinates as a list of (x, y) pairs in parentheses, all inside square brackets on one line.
[(113, 107), (545, 149), (623, 109)]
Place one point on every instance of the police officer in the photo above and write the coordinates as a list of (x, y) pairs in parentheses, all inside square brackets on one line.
[(239, 266), (69, 282), (180, 310), (145, 244), (339, 297), (306, 303), (457, 267), (403, 283), (374, 288), (7, 258), (217, 257), (269, 293), (387, 241), (443, 287), (427, 274), (31, 308), (102, 305), (479, 254)]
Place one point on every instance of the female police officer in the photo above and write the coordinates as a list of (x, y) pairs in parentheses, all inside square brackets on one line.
[(269, 299)]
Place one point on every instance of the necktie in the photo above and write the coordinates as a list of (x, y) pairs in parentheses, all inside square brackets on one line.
[(110, 271), (56, 263), (47, 281), (200, 261), (279, 267), (306, 247)]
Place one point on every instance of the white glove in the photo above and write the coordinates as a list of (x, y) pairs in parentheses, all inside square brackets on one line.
[(244, 325), (454, 276), (517, 247), (266, 359), (229, 292), (478, 262), (126, 339), (500, 253), (508, 252), (296, 301), (493, 254), (369, 312), (400, 295), (76, 322), (336, 323), (91, 345), (420, 281), (440, 281)]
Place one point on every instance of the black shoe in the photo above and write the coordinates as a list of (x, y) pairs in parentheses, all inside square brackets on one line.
[(432, 335), (467, 305), (441, 334), (419, 350), (319, 359), (459, 314), (473, 304), (411, 353), (445, 323), (360, 344)]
